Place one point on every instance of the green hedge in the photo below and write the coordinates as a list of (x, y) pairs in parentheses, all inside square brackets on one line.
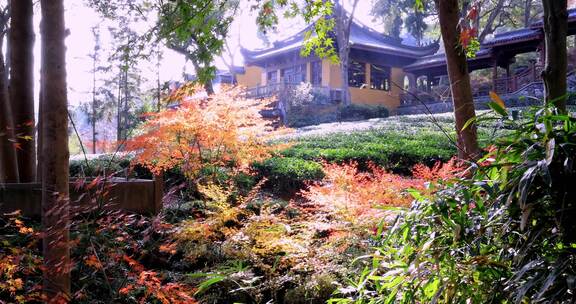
[(393, 150), (106, 164), (361, 112), (319, 114), (288, 174)]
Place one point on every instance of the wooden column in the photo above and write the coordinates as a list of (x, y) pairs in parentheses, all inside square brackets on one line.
[(368, 70), (494, 76), (412, 85), (510, 82)]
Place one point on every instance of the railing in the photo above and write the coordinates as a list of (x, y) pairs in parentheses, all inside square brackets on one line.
[(526, 82), (512, 84), (280, 89)]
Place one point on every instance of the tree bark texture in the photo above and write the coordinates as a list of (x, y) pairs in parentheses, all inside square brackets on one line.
[(21, 38), (119, 108), (93, 122), (555, 31), (342, 27), (489, 27), (527, 13), (8, 160), (55, 180), (449, 16)]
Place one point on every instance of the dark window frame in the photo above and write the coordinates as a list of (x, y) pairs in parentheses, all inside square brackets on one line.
[(316, 73), (294, 71), (272, 77), (357, 74), (380, 77)]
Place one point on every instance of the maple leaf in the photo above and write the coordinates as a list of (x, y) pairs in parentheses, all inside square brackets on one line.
[(473, 12), (497, 99), (465, 37), (26, 137)]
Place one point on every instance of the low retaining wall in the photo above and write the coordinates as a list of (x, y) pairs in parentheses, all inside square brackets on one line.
[(444, 107), (134, 195), (481, 103)]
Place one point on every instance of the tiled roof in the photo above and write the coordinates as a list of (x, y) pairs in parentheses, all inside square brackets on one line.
[(438, 60), (361, 37), (520, 35)]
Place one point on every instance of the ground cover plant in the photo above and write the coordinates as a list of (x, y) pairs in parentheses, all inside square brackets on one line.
[(497, 234), (395, 143), (224, 236)]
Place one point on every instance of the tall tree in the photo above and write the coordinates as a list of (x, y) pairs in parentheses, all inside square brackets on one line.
[(527, 12), (342, 27), (55, 180), (95, 108), (449, 16), (125, 56), (555, 31), (388, 11), (21, 38), (8, 161), (197, 32)]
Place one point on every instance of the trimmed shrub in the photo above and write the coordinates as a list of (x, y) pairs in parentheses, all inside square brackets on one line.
[(394, 151), (288, 174), (361, 112), (106, 165)]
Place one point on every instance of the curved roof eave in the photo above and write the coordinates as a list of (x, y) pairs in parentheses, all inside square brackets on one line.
[(439, 60), (361, 37)]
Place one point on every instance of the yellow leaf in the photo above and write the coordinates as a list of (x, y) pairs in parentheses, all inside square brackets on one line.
[(494, 96)]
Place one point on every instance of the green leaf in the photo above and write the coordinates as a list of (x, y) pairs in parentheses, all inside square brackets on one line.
[(497, 108), (204, 286)]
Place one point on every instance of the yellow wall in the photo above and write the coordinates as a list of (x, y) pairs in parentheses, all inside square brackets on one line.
[(251, 78), (390, 100), (331, 77), (335, 77), (326, 73)]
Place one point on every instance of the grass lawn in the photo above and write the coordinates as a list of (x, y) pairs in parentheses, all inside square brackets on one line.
[(395, 143)]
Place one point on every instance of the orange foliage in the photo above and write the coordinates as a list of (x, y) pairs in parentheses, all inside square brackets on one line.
[(102, 145), (20, 266), (171, 293), (440, 171), (360, 194), (220, 130)]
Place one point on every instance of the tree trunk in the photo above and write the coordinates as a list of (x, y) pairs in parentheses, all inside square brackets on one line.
[(208, 84), (343, 25), (40, 135), (489, 27), (527, 13), (94, 101), (22, 85), (183, 50), (119, 109), (449, 15), (126, 100), (555, 31), (8, 160), (344, 65), (55, 180), (158, 87)]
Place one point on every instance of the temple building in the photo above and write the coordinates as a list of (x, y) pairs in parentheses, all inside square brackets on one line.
[(376, 69), (385, 71)]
